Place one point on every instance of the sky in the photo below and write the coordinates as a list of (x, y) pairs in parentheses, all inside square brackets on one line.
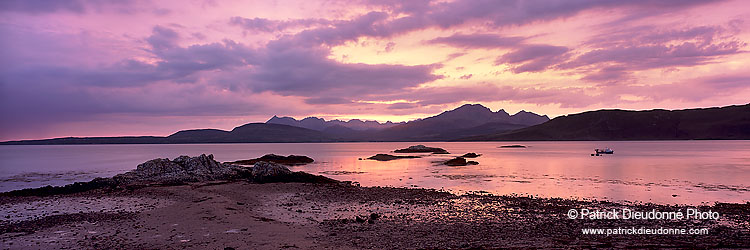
[(140, 67)]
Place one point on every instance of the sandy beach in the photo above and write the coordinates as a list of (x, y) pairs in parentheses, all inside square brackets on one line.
[(244, 215)]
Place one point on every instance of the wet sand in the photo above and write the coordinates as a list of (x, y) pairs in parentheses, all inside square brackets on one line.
[(242, 215)]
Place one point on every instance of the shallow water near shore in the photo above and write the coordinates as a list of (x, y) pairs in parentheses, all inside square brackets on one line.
[(685, 172)]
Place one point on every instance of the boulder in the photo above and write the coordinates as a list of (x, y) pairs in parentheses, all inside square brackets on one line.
[(422, 149), (387, 157), (459, 161), (265, 172), (280, 159)]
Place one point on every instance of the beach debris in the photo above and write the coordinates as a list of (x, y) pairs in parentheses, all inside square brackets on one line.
[(608, 151), (387, 157), (280, 159), (374, 216), (471, 155), (421, 149), (360, 219), (459, 161), (513, 146)]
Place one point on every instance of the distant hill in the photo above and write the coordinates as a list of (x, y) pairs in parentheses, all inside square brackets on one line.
[(251, 132), (92, 140), (731, 122)]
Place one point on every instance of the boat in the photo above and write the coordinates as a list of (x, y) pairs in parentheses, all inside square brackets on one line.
[(608, 151)]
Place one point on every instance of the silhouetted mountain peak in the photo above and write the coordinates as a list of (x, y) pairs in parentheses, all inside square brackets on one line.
[(321, 124), (470, 109), (312, 118)]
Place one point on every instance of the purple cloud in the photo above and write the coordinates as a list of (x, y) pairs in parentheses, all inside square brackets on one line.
[(657, 56), (73, 6), (163, 38), (533, 58), (304, 72), (486, 41), (327, 100), (42, 6), (266, 25)]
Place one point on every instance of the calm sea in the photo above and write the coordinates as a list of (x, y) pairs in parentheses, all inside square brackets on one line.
[(690, 172)]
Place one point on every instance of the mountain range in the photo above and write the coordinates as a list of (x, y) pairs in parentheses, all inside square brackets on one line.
[(470, 122), (321, 124), (467, 120)]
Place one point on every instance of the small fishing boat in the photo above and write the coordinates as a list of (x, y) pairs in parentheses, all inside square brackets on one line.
[(608, 151)]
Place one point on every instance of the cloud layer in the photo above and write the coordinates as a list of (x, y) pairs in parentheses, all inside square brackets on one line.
[(69, 67)]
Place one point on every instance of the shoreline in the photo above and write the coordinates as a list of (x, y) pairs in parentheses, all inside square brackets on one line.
[(241, 214)]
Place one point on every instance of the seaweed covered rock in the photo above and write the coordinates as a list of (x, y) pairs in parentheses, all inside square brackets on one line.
[(97, 183), (280, 159), (421, 149)]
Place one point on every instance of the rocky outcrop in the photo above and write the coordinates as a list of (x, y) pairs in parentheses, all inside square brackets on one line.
[(459, 161), (387, 157), (422, 149), (280, 159), (186, 169), (183, 169)]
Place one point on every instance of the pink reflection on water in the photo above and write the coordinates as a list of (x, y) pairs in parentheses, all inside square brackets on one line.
[(689, 172), (663, 172)]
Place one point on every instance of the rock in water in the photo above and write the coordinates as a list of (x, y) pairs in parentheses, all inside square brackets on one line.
[(286, 160), (470, 155), (387, 157), (459, 161), (421, 149), (181, 170)]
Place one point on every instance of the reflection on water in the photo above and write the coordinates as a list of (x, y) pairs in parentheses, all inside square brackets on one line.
[(657, 171)]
